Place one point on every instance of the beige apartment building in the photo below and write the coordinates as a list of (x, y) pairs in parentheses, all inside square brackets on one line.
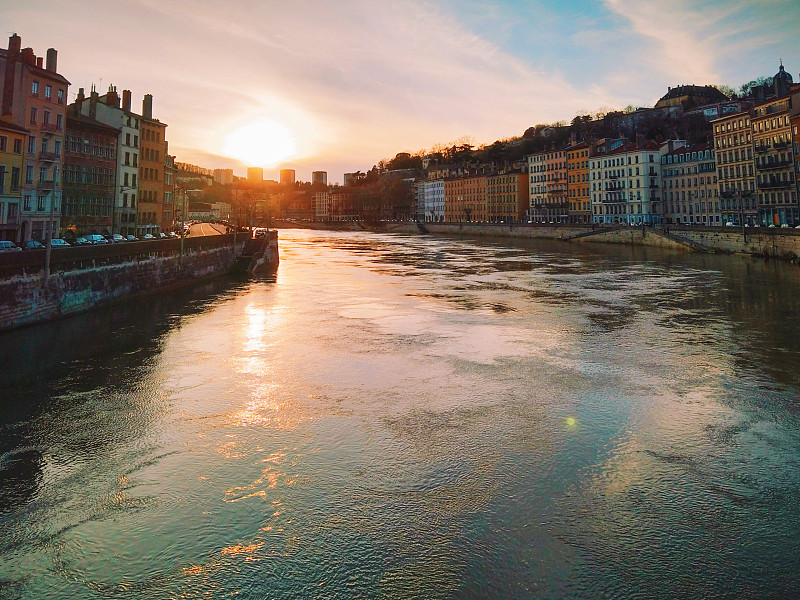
[(465, 199), (733, 150)]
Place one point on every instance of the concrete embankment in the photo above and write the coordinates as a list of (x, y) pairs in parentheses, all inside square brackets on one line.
[(756, 241), (31, 298)]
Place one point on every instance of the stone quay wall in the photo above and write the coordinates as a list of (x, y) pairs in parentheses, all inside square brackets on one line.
[(28, 299), (756, 241)]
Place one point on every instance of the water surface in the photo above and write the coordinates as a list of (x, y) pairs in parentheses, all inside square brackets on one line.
[(414, 417)]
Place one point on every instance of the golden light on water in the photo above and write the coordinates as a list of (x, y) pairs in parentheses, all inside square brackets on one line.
[(263, 143), (571, 422)]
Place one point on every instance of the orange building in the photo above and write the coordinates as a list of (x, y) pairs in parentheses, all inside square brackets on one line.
[(152, 153), (580, 204), (465, 199), (507, 197)]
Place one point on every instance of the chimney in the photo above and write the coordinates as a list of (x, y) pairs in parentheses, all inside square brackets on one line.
[(147, 106), (28, 57), (14, 45), (40, 62), (12, 56), (93, 105), (81, 96), (126, 100), (52, 58), (112, 99)]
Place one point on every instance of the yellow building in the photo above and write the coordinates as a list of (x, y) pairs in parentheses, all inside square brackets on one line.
[(465, 199), (13, 140), (507, 197)]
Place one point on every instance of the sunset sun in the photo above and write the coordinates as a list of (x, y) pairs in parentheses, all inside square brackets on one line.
[(261, 143)]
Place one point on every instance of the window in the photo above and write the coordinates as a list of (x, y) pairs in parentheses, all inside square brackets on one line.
[(61, 95), (40, 203), (59, 122), (48, 91), (35, 88), (33, 115), (57, 147), (17, 146), (26, 202), (29, 174), (15, 178), (127, 139)]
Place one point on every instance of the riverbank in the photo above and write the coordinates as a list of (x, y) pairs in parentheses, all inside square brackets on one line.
[(31, 298), (783, 244)]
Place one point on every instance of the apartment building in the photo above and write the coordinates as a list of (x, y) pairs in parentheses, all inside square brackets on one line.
[(774, 161), (13, 142), (625, 185), (733, 151), (507, 197), (465, 199), (430, 201), (34, 98), (578, 197), (537, 190), (689, 190), (90, 169), (107, 110), (151, 213)]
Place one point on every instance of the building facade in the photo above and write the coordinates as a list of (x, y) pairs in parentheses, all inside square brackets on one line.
[(170, 216), (689, 190), (430, 201), (151, 213), (625, 186), (34, 97), (537, 191), (107, 110), (580, 203), (13, 143), (507, 197), (319, 178), (90, 170), (774, 161), (223, 176), (465, 199), (733, 151)]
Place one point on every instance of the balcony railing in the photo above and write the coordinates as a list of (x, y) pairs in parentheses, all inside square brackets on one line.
[(775, 185), (778, 164), (46, 184), (48, 156), (51, 127)]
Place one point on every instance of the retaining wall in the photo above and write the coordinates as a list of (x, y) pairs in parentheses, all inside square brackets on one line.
[(28, 299)]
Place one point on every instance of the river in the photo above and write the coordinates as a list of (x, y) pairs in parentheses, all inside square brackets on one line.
[(414, 417)]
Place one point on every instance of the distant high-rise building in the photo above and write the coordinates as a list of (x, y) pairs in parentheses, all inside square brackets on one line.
[(319, 177), (255, 174), (223, 176), (287, 176)]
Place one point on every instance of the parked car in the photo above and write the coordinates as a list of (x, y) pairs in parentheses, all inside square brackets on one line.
[(161, 236), (148, 236), (131, 238), (80, 241), (9, 246), (96, 239), (172, 234), (115, 238), (32, 245), (59, 243)]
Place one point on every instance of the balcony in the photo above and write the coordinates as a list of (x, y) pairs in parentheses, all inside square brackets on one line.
[(46, 184), (775, 185), (762, 149), (49, 127), (48, 156), (778, 164)]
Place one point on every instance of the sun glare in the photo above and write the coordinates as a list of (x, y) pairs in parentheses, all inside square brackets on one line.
[(263, 143)]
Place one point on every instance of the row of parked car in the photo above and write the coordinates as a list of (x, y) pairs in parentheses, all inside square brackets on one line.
[(93, 239)]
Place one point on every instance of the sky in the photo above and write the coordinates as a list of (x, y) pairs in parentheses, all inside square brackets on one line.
[(341, 84)]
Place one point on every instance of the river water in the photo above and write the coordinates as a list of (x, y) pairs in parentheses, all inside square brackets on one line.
[(414, 417)]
